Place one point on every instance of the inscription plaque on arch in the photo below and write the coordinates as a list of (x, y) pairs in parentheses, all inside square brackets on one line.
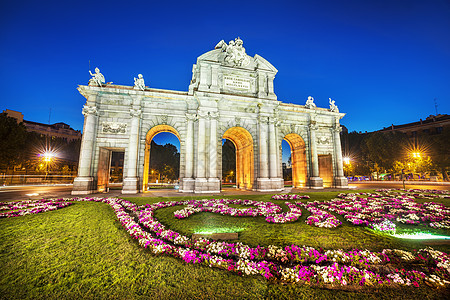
[(235, 82)]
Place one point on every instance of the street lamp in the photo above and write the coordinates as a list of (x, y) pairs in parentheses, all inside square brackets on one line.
[(48, 159)]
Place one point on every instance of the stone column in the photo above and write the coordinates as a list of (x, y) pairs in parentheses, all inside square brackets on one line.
[(263, 181), (84, 183), (190, 146), (188, 181), (263, 155), (273, 149), (340, 181), (213, 180), (315, 181), (200, 180), (131, 180)]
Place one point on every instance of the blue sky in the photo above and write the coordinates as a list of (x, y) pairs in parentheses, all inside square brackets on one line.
[(383, 61)]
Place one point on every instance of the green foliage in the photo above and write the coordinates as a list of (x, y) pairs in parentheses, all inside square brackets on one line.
[(382, 149), (229, 161), (13, 138), (165, 160)]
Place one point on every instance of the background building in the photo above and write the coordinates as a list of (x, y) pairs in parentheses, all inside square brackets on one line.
[(430, 126), (57, 130)]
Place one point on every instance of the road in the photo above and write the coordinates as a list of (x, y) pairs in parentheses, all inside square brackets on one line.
[(8, 193)]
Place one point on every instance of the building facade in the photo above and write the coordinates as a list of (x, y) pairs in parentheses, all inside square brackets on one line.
[(430, 126), (57, 130), (231, 96)]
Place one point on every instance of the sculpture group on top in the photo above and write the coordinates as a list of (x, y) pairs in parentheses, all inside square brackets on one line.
[(235, 53)]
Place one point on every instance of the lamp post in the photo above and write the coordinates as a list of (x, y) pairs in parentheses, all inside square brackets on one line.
[(403, 178), (47, 159)]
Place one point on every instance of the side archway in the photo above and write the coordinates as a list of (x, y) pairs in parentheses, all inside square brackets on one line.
[(148, 139), (298, 159), (243, 142)]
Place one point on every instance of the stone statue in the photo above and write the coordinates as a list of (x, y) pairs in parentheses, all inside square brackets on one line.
[(333, 107), (97, 78), (139, 82), (235, 53), (310, 102)]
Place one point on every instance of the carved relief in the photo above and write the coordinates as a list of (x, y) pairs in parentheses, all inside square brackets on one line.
[(112, 127), (164, 119), (323, 140)]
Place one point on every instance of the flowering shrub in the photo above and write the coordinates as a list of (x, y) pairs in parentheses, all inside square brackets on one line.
[(21, 208), (385, 226), (289, 197), (290, 263)]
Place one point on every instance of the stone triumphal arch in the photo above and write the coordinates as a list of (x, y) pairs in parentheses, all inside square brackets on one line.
[(231, 96)]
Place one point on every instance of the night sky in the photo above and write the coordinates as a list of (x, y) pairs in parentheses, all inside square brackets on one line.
[(383, 61)]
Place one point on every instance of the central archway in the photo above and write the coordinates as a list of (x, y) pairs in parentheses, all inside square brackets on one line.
[(243, 142), (298, 159), (148, 139)]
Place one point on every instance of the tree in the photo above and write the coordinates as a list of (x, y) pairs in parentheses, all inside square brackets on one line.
[(382, 149), (13, 137), (229, 161), (439, 145), (165, 160)]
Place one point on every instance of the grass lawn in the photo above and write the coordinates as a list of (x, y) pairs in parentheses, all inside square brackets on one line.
[(82, 251)]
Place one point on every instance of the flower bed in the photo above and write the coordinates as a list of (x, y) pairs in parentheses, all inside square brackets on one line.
[(289, 197), (337, 268)]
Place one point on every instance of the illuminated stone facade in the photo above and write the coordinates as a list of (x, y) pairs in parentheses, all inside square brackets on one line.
[(231, 95)]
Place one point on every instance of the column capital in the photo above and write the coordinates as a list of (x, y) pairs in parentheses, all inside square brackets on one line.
[(191, 117), (337, 128), (89, 110), (202, 114), (263, 119), (275, 121), (214, 115), (135, 112), (313, 126)]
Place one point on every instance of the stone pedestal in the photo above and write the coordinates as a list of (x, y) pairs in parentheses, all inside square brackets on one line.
[(214, 185), (201, 185), (84, 185), (188, 185), (130, 185), (341, 182), (269, 184), (316, 182)]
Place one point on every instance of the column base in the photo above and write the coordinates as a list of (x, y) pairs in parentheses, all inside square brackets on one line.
[(84, 185), (188, 185), (269, 184), (214, 185), (201, 185), (341, 182), (130, 185), (315, 183)]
